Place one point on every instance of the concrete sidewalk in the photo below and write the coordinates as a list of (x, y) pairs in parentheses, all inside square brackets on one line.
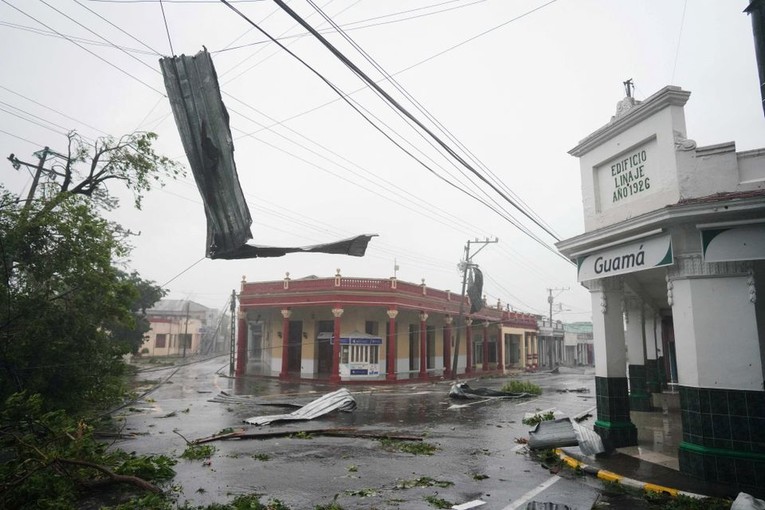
[(653, 463)]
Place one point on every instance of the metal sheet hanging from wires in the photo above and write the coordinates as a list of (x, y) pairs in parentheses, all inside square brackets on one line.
[(409, 116), (203, 124)]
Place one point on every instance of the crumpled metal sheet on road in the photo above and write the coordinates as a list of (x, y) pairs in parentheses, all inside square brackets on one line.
[(561, 432), (340, 400)]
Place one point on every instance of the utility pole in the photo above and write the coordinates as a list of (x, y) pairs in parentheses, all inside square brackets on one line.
[(550, 300), (466, 264), (232, 342), (42, 155), (186, 329)]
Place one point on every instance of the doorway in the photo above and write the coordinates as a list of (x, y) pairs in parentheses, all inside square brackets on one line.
[(295, 346), (324, 347)]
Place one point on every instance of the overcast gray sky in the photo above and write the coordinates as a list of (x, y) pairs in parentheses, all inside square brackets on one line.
[(518, 83)]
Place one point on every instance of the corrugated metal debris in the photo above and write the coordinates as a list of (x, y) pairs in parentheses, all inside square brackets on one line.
[(463, 391), (340, 400), (203, 123), (561, 432)]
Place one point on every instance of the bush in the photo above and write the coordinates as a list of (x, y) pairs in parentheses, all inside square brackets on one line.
[(516, 386)]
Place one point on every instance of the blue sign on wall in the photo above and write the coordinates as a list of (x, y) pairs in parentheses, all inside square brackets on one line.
[(360, 341)]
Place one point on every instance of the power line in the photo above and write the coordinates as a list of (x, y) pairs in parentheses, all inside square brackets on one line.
[(398, 189), (403, 110), (353, 105), (83, 40), (98, 35), (679, 38), (118, 28), (167, 29), (276, 10), (348, 26), (424, 111), (52, 109), (84, 48), (378, 128)]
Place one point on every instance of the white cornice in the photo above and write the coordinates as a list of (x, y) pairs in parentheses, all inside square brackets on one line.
[(671, 215), (668, 96)]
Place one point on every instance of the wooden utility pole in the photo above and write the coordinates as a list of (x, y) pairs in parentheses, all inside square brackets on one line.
[(467, 263), (550, 300), (232, 342), (186, 329)]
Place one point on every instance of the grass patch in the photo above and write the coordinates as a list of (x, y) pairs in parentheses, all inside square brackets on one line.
[(198, 451), (263, 457), (480, 476), (302, 435), (516, 386), (329, 506), (415, 448), (537, 418), (437, 502), (680, 502)]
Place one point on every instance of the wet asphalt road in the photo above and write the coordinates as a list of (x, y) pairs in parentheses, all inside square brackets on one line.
[(476, 452)]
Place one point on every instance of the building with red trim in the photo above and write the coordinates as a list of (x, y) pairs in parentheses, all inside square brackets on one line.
[(345, 329)]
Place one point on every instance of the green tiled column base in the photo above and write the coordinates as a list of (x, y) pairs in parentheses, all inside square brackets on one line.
[(724, 437), (640, 399), (653, 376), (613, 424), (743, 471), (616, 435)]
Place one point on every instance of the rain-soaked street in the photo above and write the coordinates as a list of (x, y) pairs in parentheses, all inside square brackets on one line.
[(477, 457)]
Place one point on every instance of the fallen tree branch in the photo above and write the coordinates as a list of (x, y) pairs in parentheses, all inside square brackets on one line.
[(112, 476), (335, 432)]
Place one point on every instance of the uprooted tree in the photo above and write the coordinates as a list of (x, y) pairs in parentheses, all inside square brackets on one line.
[(67, 311)]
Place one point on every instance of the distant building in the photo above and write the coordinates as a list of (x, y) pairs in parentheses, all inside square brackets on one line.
[(550, 352), (345, 329), (577, 339), (674, 248), (178, 327)]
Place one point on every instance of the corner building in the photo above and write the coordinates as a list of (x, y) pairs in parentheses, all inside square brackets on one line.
[(672, 254), (344, 330)]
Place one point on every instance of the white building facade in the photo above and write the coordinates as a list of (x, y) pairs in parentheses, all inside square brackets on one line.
[(673, 255)]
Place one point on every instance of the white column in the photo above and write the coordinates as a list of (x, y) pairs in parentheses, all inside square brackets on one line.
[(715, 323), (608, 328)]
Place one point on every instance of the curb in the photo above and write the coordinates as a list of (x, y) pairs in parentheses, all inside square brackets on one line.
[(609, 476)]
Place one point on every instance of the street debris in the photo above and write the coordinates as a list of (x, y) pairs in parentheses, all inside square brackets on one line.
[(340, 400), (463, 391), (562, 432), (580, 419), (573, 390), (334, 432), (536, 505), (552, 434), (746, 502), (470, 504)]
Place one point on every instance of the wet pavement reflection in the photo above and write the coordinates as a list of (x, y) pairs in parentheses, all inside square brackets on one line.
[(476, 457)]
